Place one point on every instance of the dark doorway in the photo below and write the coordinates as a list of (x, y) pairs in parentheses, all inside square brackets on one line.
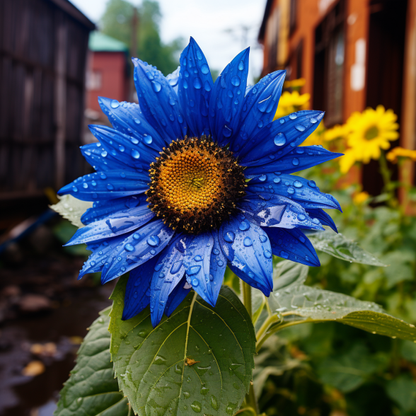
[(386, 39)]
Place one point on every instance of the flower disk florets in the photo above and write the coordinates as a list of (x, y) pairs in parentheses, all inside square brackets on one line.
[(195, 185)]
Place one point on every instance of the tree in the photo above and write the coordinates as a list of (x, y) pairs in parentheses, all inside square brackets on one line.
[(116, 22)]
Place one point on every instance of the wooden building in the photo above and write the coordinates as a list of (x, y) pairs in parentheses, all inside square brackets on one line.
[(43, 53), (108, 72), (353, 54)]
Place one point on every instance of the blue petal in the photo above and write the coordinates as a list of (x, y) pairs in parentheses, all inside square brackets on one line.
[(248, 251), (227, 99), (108, 185), (129, 119), (298, 159), (137, 295), (277, 211), (134, 153), (96, 155), (197, 265), (168, 272), (158, 101), (99, 257), (292, 244), (195, 85), (101, 209), (137, 248), (217, 267), (259, 108), (113, 225), (298, 189), (323, 217), (177, 296), (281, 136), (173, 79)]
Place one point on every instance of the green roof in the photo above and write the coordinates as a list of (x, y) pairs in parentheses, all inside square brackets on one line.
[(99, 42)]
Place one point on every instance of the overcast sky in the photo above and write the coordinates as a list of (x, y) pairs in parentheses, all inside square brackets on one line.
[(209, 22)]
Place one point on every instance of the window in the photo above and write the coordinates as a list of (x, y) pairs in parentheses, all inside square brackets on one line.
[(329, 64)]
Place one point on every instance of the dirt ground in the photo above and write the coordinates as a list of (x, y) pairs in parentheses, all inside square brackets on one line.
[(44, 314)]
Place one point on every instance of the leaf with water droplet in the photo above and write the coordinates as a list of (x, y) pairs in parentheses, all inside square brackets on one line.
[(308, 304), (337, 245), (211, 339), (93, 376)]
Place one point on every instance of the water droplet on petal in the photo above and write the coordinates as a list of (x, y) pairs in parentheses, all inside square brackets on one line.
[(248, 242), (104, 153), (297, 184), (197, 83), (295, 161), (284, 254), (235, 81), (241, 66), (277, 180), (148, 139), (205, 69), (280, 139), (193, 270), (313, 120), (195, 282), (153, 241), (75, 189), (226, 131), (293, 116), (244, 225), (263, 178), (110, 187), (229, 237), (115, 104), (198, 258), (300, 128), (302, 217), (290, 190), (135, 154), (312, 184), (156, 86), (129, 247), (137, 121)]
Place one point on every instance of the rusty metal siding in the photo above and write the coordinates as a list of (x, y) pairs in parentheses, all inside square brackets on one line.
[(43, 51)]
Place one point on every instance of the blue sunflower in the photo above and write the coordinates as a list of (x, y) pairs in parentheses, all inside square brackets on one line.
[(195, 177)]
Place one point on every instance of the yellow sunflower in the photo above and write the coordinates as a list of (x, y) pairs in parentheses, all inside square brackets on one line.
[(347, 161), (336, 132), (296, 83), (397, 152), (371, 131), (291, 102), (360, 197)]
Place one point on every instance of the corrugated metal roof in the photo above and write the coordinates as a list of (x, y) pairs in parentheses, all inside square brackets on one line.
[(99, 42)]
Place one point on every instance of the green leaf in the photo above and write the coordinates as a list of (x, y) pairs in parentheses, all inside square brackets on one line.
[(348, 371), (403, 391), (342, 248), (72, 209), (91, 388), (199, 360), (294, 303)]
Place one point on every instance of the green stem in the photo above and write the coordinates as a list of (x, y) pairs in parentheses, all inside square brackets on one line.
[(247, 299), (250, 396), (385, 173), (266, 324)]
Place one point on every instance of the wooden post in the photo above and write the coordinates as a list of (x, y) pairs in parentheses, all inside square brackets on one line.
[(133, 49), (60, 99)]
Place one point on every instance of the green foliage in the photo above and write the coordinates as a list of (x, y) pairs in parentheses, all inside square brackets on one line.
[(342, 248), (116, 22), (199, 360), (91, 388)]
